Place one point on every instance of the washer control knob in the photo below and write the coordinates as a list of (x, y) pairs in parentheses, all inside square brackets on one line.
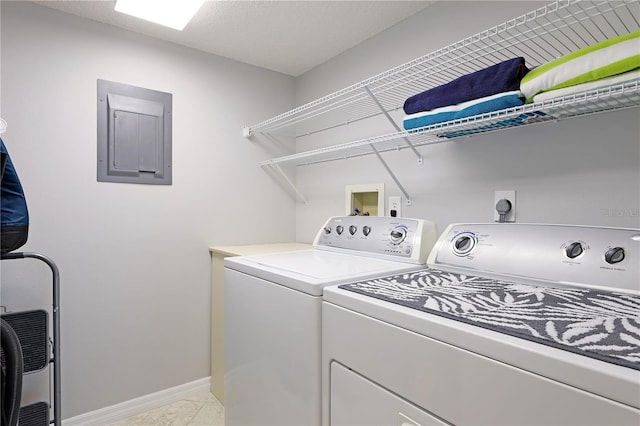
[(574, 250), (327, 230), (366, 230), (353, 229), (398, 234), (463, 244), (614, 255), (339, 229)]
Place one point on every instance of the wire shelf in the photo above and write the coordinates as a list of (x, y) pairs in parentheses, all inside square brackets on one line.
[(539, 36), (610, 98)]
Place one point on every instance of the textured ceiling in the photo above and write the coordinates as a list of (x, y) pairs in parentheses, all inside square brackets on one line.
[(290, 37)]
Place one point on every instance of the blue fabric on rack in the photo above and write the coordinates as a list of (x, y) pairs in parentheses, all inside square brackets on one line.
[(466, 109), (14, 216), (502, 77), (526, 118)]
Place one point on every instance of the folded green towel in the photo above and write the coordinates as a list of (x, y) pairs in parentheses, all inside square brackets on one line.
[(609, 57)]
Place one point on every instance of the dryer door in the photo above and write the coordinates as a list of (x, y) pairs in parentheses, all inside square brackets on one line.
[(356, 401)]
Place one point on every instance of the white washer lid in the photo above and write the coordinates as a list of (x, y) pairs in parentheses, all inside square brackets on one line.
[(310, 271)]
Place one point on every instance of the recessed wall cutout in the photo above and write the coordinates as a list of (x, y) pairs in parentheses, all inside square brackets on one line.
[(365, 199), (134, 134)]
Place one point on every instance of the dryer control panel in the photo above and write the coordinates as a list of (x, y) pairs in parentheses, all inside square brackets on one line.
[(400, 239), (556, 255)]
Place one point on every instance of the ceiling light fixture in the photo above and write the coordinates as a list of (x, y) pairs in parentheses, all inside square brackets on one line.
[(170, 13)]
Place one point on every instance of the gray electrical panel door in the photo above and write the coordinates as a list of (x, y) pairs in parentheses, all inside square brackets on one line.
[(134, 134)]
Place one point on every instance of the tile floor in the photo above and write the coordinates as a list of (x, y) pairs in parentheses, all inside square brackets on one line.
[(201, 410)]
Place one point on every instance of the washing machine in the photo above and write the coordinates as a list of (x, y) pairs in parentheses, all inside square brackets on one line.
[(510, 324), (273, 312)]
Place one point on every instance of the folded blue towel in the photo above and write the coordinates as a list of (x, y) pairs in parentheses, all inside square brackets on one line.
[(465, 109), (499, 78)]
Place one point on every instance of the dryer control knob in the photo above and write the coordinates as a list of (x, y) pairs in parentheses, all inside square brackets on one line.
[(366, 230), (574, 250), (614, 255), (327, 229), (353, 229), (464, 244), (339, 229)]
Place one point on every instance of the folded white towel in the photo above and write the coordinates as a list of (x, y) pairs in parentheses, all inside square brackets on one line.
[(596, 84)]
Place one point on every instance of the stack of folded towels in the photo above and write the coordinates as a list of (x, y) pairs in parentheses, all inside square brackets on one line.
[(490, 89), (511, 84), (608, 62)]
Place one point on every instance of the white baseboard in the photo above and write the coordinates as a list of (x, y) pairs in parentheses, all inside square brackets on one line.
[(139, 405)]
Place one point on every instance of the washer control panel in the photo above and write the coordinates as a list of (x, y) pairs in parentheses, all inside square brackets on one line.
[(595, 257), (400, 239)]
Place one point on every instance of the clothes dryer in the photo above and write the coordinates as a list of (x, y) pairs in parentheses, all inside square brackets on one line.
[(511, 324)]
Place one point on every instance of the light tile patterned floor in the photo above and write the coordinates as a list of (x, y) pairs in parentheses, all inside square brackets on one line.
[(201, 410)]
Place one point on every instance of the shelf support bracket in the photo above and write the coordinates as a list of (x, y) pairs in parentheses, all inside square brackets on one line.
[(285, 178), (393, 123), (393, 176)]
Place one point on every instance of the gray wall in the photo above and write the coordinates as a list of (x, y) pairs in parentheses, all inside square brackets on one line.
[(582, 171), (134, 259)]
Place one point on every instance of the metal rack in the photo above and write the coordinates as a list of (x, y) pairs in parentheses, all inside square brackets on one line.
[(539, 36), (32, 414)]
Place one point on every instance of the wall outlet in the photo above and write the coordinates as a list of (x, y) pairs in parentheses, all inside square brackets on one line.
[(395, 209), (511, 197)]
